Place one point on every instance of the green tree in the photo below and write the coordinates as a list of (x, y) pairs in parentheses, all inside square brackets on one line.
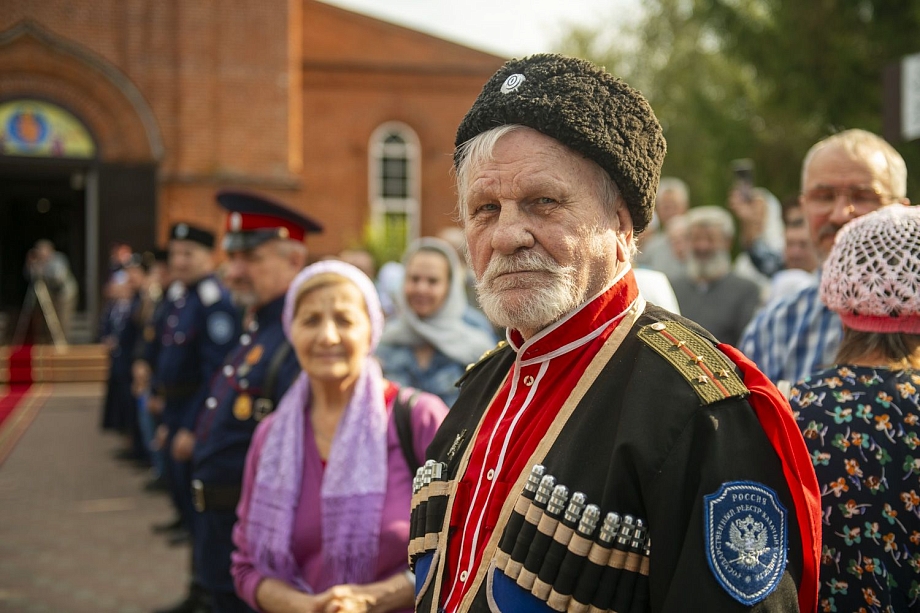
[(763, 79)]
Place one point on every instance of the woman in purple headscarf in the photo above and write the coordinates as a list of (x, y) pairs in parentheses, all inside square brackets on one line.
[(324, 513)]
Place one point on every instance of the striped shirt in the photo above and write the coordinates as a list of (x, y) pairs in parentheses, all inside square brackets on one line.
[(793, 336)]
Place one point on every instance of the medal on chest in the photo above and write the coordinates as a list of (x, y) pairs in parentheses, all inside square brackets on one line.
[(242, 408), (252, 358), (254, 355)]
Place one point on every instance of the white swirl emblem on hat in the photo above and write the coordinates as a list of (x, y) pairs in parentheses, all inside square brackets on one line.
[(236, 222), (512, 83)]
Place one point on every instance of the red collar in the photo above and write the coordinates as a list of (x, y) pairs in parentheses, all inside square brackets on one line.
[(580, 323)]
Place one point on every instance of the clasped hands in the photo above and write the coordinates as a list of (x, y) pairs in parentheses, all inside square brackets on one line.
[(343, 599)]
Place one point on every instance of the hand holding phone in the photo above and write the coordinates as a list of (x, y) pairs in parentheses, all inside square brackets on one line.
[(743, 172)]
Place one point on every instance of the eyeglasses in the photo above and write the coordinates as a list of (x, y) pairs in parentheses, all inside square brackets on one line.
[(862, 199)]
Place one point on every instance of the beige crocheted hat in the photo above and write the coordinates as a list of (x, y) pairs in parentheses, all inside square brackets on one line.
[(872, 276)]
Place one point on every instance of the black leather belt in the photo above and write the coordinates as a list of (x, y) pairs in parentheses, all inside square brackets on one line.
[(215, 497), (178, 392)]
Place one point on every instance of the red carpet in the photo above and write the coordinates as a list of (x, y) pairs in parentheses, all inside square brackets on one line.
[(20, 402), (21, 365), (20, 380), (11, 399)]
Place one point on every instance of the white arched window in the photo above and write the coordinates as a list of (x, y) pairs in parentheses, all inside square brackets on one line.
[(394, 183)]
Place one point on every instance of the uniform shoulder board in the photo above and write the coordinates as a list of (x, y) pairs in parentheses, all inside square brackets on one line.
[(485, 356), (209, 292), (710, 373)]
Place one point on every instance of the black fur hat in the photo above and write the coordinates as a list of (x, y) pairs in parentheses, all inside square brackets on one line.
[(586, 109)]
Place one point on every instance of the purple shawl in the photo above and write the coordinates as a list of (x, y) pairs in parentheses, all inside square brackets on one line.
[(354, 482)]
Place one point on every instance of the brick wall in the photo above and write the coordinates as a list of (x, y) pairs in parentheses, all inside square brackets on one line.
[(204, 89), (360, 73)]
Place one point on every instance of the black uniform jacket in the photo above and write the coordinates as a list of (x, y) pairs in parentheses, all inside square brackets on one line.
[(641, 440)]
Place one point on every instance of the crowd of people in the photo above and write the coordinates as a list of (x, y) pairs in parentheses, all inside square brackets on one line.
[(338, 437), (201, 355)]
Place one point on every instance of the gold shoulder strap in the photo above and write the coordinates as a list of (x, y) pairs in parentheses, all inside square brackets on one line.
[(711, 375), (485, 356)]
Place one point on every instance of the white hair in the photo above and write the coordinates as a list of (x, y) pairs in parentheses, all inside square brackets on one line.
[(285, 248), (864, 145), (673, 184), (709, 216), (481, 148)]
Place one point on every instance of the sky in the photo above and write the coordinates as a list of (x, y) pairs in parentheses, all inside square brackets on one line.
[(509, 28)]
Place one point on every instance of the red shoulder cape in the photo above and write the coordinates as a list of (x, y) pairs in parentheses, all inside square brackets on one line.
[(776, 418)]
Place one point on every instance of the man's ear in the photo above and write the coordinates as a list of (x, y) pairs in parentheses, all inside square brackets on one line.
[(624, 219), (624, 233)]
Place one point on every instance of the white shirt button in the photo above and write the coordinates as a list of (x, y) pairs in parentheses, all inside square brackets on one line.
[(245, 340), (491, 474), (228, 371), (528, 380), (211, 402), (463, 576)]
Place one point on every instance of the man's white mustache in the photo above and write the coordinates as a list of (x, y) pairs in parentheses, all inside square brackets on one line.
[(530, 262)]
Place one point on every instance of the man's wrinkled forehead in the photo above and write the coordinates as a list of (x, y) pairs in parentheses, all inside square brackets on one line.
[(489, 185), (547, 157), (836, 159)]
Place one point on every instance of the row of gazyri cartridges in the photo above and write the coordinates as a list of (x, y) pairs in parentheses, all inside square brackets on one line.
[(551, 545)]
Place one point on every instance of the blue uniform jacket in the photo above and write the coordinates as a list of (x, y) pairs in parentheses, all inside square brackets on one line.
[(197, 329), (236, 399), (122, 324), (153, 328)]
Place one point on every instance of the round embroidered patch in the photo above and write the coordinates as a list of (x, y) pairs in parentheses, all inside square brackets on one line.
[(220, 327), (512, 83), (209, 292), (745, 526)]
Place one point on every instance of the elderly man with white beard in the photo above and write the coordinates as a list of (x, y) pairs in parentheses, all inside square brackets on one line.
[(711, 294), (609, 455)]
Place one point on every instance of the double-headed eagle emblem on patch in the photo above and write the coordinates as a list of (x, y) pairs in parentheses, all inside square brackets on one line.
[(746, 532)]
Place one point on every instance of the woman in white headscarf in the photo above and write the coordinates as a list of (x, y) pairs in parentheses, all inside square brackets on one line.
[(436, 332)]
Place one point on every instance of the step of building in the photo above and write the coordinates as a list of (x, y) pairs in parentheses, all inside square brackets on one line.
[(82, 329), (50, 364)]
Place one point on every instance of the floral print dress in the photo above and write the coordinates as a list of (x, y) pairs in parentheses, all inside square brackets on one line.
[(861, 428)]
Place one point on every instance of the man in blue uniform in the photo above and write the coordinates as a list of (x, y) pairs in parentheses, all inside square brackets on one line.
[(197, 328), (265, 246), (153, 295)]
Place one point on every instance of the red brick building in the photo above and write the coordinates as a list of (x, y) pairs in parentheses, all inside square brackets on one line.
[(119, 118)]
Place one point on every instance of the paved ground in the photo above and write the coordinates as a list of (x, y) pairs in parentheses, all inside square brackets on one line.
[(75, 524)]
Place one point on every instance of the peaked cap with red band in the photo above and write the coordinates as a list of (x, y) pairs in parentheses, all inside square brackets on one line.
[(254, 219)]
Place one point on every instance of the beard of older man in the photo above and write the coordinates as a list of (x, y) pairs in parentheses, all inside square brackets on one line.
[(709, 268), (548, 298)]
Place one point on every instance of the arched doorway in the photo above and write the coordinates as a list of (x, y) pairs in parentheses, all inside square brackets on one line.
[(85, 186), (46, 155)]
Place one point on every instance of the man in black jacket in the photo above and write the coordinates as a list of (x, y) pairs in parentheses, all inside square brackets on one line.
[(610, 454)]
